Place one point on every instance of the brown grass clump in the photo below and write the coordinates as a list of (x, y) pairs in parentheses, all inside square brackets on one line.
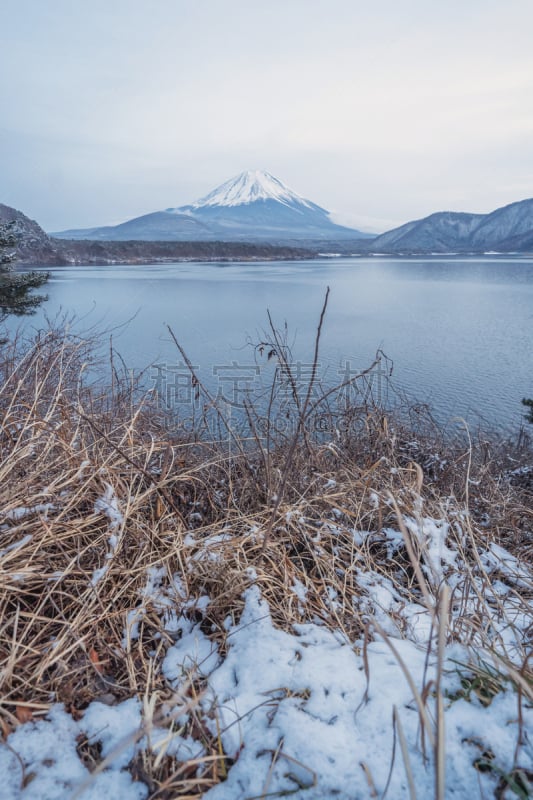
[(95, 492)]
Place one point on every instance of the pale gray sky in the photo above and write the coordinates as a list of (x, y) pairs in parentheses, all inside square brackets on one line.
[(381, 111)]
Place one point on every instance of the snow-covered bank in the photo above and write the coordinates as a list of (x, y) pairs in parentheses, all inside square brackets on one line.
[(305, 713)]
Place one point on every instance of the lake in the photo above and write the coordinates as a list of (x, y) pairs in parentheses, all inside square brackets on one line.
[(458, 331)]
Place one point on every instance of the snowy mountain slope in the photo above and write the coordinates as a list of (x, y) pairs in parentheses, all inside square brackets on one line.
[(252, 206), (506, 229), (445, 229), (521, 243), (32, 243), (510, 221)]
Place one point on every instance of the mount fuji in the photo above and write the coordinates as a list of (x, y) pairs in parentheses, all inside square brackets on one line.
[(253, 206)]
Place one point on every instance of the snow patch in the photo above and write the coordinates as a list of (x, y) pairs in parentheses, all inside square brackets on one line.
[(108, 505)]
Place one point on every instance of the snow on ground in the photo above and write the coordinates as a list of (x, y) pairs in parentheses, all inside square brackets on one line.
[(302, 700), (108, 505), (307, 713), (17, 514)]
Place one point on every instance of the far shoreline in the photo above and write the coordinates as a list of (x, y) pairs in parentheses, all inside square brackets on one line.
[(256, 254)]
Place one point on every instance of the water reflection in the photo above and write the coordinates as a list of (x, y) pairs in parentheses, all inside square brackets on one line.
[(459, 331)]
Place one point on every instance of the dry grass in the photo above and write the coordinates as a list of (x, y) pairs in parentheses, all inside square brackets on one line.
[(64, 445)]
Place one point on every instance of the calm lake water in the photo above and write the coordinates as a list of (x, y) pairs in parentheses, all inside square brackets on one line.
[(458, 331)]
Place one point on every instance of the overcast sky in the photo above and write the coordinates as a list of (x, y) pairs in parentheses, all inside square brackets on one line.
[(381, 111)]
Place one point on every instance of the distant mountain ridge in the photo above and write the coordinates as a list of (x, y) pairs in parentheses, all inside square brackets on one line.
[(253, 206), (507, 229)]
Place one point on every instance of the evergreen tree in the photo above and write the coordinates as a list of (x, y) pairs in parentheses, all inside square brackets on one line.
[(15, 288)]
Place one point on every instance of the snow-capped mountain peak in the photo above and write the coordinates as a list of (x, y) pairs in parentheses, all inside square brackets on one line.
[(248, 187), (256, 205), (253, 206)]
